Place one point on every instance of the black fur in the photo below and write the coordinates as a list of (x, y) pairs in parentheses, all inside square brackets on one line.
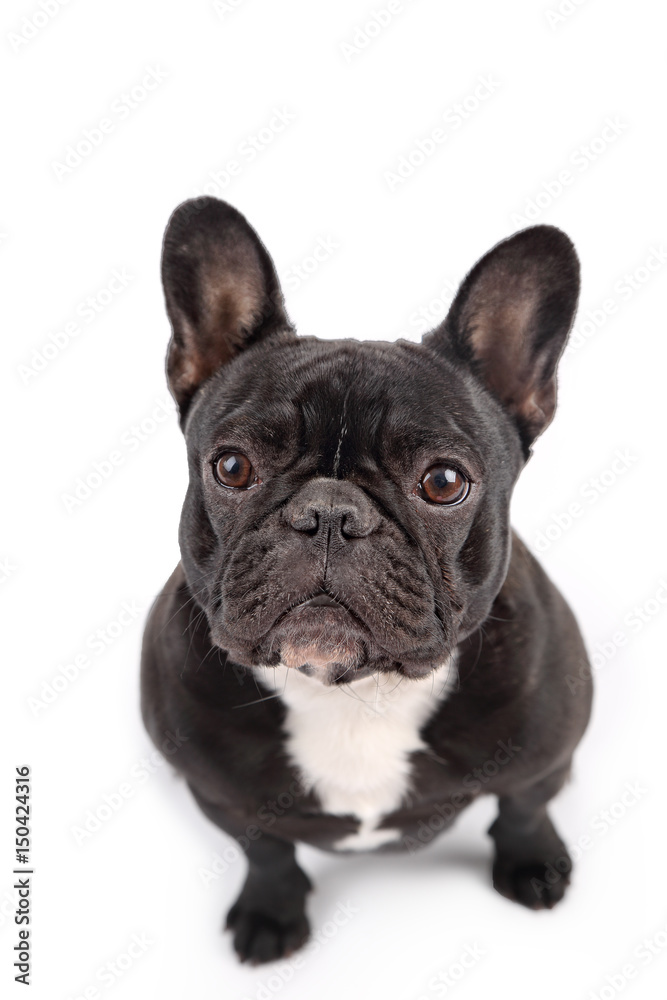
[(340, 433)]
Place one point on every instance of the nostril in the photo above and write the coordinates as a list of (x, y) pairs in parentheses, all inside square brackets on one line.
[(308, 522), (354, 525)]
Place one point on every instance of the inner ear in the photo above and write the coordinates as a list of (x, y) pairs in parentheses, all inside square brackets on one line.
[(510, 320), (221, 290)]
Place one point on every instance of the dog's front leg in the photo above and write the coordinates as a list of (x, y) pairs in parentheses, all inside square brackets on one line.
[(532, 865), (268, 919)]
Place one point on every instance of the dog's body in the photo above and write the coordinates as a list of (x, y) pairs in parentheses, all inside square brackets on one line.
[(355, 645)]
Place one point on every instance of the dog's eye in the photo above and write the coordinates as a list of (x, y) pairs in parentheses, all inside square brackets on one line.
[(444, 484), (232, 469)]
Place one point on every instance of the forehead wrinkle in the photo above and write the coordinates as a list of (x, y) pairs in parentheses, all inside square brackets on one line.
[(343, 432), (326, 419), (274, 427)]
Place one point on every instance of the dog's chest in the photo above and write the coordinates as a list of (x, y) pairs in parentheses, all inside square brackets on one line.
[(352, 744)]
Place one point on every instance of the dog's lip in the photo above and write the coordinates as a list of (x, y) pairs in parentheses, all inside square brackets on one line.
[(322, 600)]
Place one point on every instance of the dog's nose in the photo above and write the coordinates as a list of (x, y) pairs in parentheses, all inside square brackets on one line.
[(332, 506)]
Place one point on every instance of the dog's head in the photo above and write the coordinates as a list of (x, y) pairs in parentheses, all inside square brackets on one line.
[(348, 506)]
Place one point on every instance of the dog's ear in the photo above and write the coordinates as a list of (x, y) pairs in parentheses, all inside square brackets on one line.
[(221, 290), (510, 320)]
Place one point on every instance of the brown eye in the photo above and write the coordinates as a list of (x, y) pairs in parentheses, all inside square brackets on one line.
[(234, 470), (443, 484)]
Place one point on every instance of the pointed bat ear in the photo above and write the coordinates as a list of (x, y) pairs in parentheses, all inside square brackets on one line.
[(221, 290), (510, 320)]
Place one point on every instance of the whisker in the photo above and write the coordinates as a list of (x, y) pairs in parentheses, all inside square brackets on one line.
[(269, 697)]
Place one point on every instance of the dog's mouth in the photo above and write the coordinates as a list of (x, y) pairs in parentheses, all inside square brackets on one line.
[(321, 607), (322, 637), (322, 600)]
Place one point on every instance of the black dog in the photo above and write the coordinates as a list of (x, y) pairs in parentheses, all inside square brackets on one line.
[(355, 645)]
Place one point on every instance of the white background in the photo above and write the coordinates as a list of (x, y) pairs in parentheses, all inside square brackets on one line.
[(355, 111)]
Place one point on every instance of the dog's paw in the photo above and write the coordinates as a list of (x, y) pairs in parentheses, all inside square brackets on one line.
[(260, 938), (538, 885)]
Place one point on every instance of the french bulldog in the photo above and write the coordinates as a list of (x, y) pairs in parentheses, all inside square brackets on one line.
[(355, 645)]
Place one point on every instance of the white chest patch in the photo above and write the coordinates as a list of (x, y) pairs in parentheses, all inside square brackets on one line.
[(352, 744)]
